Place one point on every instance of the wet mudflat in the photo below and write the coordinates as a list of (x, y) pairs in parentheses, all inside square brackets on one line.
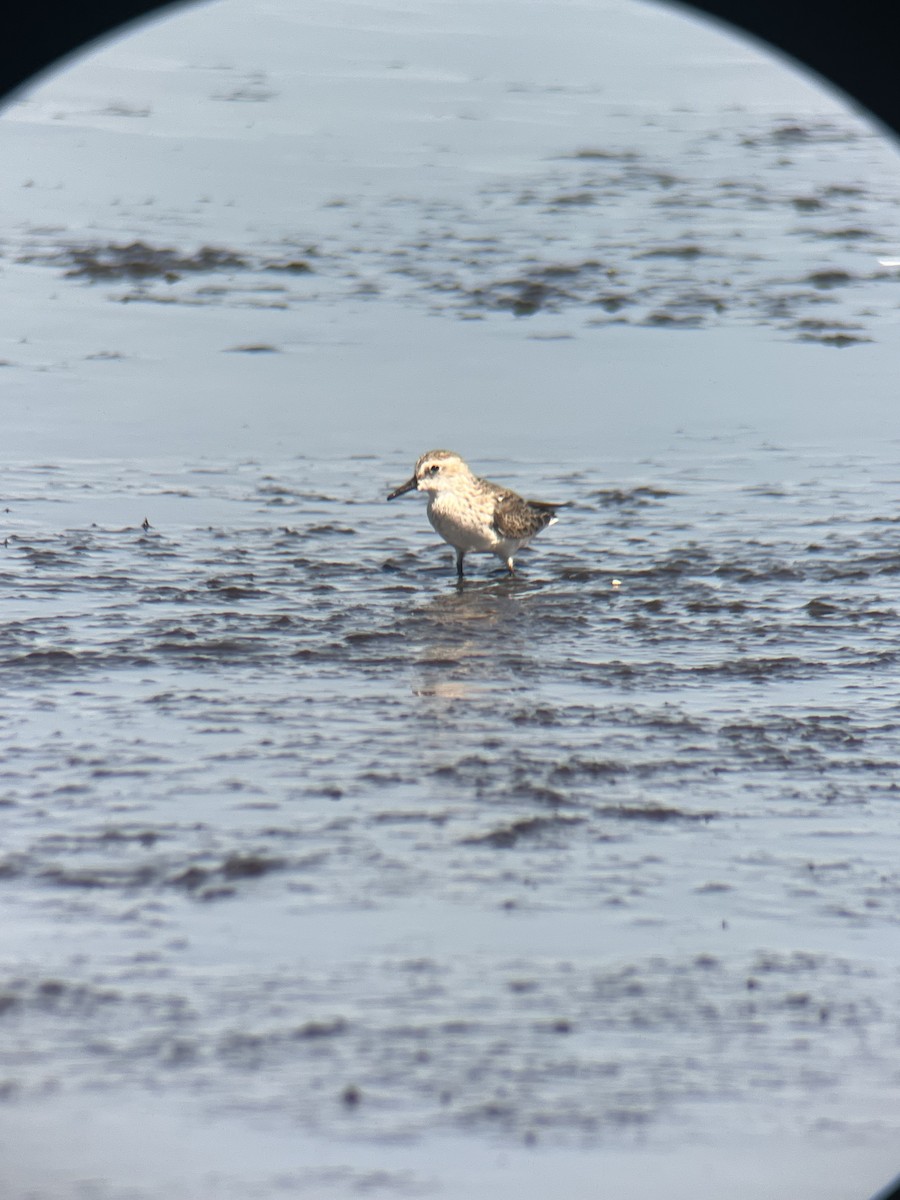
[(659, 816), (336, 876)]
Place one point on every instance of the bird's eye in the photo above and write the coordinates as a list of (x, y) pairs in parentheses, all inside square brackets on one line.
[(433, 469)]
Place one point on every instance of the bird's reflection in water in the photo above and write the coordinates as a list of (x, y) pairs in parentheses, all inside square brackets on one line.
[(471, 637)]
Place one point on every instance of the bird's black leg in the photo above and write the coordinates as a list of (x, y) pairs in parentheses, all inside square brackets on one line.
[(460, 555)]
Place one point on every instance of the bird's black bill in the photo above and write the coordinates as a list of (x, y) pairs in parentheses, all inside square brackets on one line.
[(409, 486)]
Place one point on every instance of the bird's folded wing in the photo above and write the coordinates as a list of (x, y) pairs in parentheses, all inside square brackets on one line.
[(518, 518)]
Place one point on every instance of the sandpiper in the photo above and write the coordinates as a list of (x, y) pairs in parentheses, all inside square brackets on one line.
[(472, 513)]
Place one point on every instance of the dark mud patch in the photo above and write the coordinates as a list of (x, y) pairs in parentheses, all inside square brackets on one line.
[(830, 333), (685, 250), (213, 882), (99, 261), (522, 297), (829, 279), (670, 320), (116, 878), (821, 608), (505, 837), (839, 340), (599, 154), (636, 497), (312, 1030), (291, 266), (799, 134), (203, 880), (656, 814)]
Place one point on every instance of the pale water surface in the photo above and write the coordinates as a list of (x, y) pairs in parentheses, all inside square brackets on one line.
[(321, 875)]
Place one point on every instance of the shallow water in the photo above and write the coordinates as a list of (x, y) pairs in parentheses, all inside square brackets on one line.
[(306, 842), (296, 709)]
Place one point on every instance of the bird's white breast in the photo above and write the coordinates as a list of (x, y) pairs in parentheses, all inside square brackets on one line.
[(463, 519)]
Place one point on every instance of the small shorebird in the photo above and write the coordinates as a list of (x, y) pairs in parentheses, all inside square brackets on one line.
[(473, 514)]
